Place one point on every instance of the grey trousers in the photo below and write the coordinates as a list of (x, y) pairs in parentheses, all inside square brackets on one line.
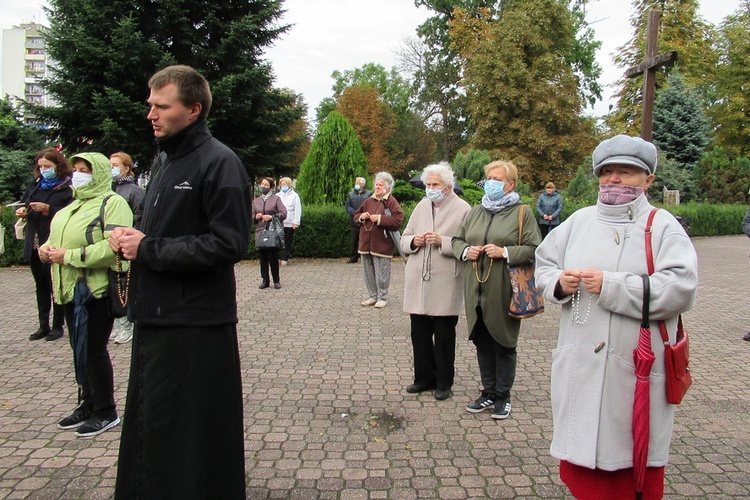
[(377, 272)]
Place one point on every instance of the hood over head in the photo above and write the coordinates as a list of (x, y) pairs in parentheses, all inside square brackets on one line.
[(102, 177)]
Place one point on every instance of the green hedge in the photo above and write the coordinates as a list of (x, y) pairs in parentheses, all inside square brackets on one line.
[(324, 232), (13, 248)]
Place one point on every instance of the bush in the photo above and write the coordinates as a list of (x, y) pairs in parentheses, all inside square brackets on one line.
[(472, 193), (406, 193), (324, 232), (13, 255)]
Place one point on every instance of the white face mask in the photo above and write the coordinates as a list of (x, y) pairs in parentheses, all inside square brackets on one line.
[(81, 179), (116, 173)]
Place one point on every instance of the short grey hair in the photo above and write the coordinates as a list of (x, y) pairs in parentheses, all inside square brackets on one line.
[(443, 169), (385, 177), (360, 179)]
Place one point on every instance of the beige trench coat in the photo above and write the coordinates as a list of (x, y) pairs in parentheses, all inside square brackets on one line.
[(432, 284)]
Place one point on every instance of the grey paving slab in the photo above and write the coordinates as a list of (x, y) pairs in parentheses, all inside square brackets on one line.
[(326, 414)]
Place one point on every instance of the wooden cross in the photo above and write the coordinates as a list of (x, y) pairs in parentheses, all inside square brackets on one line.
[(648, 69)]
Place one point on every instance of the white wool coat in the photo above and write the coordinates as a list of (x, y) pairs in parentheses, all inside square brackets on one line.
[(593, 389), (432, 284)]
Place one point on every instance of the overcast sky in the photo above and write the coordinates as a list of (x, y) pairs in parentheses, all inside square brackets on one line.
[(330, 35)]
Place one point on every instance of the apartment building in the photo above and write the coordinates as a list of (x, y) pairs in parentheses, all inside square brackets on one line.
[(24, 63)]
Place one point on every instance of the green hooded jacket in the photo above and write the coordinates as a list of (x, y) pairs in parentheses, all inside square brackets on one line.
[(79, 229)]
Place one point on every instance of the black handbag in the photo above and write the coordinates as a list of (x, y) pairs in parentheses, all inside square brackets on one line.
[(118, 290), (272, 235)]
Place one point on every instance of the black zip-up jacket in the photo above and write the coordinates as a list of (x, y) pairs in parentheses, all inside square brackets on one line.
[(36, 223), (196, 218)]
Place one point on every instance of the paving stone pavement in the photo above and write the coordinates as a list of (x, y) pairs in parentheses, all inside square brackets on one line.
[(326, 414)]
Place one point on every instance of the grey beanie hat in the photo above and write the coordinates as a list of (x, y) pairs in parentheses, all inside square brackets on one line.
[(625, 150)]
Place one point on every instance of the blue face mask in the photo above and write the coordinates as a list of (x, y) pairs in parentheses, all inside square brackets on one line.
[(285, 189), (494, 189), (48, 174), (434, 195), (357, 187)]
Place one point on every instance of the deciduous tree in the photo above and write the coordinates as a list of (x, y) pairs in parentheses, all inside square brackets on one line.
[(523, 93), (373, 121), (682, 29), (731, 111), (19, 144)]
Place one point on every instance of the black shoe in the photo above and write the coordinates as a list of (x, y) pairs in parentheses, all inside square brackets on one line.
[(39, 334), (76, 419), (353, 260), (416, 388), (97, 424), (442, 394), (747, 336), (277, 285), (263, 284), (483, 402), (54, 334), (502, 409)]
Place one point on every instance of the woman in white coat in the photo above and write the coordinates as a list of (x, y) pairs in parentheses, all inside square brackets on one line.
[(433, 295), (592, 265), (291, 201)]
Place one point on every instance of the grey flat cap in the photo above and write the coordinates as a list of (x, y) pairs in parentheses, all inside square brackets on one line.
[(625, 150)]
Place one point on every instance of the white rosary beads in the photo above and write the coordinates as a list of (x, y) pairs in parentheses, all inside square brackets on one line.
[(575, 309)]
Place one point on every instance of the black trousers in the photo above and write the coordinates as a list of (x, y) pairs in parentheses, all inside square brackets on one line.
[(497, 363), (183, 434), (43, 281), (288, 239), (98, 391), (355, 242), (433, 339), (545, 229), (269, 258)]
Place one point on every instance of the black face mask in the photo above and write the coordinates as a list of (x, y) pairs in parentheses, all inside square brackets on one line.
[(265, 190)]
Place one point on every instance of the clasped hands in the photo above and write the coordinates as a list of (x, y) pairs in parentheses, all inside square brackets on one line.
[(263, 217), (571, 279), (368, 216), (492, 251), (429, 237), (48, 253), (126, 240)]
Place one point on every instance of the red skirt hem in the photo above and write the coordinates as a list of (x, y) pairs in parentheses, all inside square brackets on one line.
[(594, 484)]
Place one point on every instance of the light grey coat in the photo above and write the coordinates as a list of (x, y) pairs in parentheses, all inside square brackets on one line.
[(593, 389), (433, 278)]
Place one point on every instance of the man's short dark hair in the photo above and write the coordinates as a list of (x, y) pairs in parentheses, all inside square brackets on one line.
[(192, 87)]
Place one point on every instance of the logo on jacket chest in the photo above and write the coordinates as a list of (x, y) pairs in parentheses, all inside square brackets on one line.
[(184, 186)]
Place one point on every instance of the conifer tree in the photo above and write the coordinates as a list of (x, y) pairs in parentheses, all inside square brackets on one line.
[(335, 160), (681, 129), (106, 50)]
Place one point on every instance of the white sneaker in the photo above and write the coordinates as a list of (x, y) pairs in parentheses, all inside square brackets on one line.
[(369, 302), (381, 303)]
